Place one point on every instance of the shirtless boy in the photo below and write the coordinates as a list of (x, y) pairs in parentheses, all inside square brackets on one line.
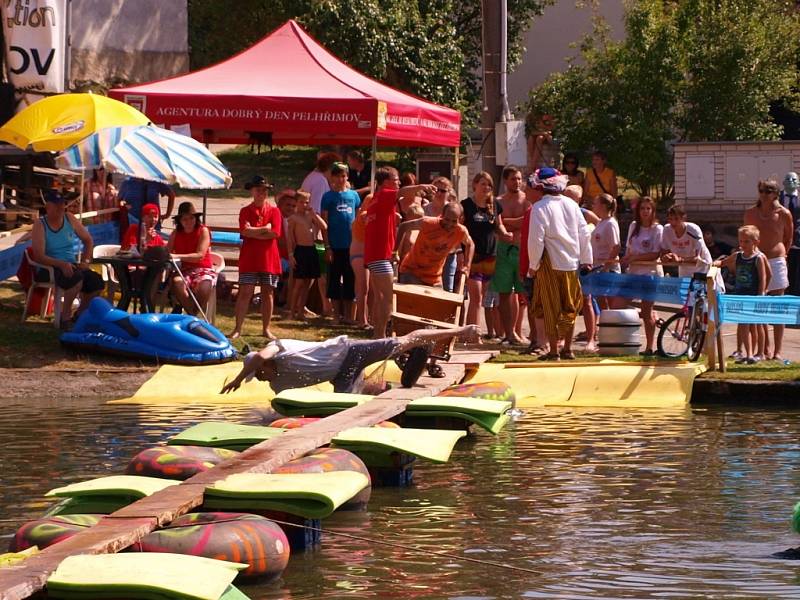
[(301, 231), (506, 280), (774, 223)]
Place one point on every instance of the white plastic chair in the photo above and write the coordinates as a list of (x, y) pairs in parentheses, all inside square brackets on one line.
[(218, 264), (52, 291), (107, 273)]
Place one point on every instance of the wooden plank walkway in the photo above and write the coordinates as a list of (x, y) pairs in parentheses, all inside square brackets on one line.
[(128, 525)]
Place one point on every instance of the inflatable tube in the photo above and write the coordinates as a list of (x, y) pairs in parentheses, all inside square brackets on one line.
[(235, 537), (177, 462), (296, 422), (179, 339), (324, 460), (50, 530), (491, 390)]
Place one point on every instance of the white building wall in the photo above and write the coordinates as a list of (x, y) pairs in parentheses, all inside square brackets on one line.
[(121, 41), (548, 42)]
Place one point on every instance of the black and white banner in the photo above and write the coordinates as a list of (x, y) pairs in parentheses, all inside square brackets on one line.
[(35, 33)]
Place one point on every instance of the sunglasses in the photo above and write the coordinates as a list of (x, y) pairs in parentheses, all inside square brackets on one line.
[(441, 190), (767, 191)]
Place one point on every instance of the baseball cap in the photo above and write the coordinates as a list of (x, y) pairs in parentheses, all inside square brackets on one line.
[(54, 196), (257, 181)]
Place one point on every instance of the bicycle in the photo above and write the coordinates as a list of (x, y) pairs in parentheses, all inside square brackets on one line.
[(684, 333)]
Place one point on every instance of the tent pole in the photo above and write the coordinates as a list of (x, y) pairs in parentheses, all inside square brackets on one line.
[(373, 160), (456, 158)]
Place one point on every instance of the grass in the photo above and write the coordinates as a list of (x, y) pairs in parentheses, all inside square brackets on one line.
[(283, 166), (35, 344)]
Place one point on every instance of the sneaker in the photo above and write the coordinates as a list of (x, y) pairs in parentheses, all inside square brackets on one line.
[(750, 361), (736, 355)]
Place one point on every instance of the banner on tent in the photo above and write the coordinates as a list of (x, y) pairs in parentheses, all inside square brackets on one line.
[(771, 310), (667, 290), (35, 33), (102, 233)]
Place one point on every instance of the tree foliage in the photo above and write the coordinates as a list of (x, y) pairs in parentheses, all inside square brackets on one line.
[(431, 48), (688, 70)]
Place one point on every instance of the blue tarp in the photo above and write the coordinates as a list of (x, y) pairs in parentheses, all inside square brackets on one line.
[(226, 237), (666, 290), (102, 233), (772, 310)]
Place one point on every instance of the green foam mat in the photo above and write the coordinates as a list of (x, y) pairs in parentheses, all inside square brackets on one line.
[(432, 444), (309, 495), (488, 414), (302, 402), (222, 434), (91, 505), (135, 486), (151, 576)]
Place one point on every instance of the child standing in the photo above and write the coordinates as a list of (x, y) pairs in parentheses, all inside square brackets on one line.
[(302, 229), (750, 267)]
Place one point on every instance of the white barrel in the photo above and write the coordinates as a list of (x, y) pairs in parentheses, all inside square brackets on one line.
[(618, 332)]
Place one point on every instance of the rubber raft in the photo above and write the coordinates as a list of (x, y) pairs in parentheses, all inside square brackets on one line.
[(179, 339)]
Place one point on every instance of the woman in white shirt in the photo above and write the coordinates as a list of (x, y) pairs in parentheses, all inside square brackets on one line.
[(641, 258), (605, 241)]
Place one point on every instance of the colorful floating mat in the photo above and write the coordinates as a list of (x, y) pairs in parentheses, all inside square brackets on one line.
[(432, 444), (221, 434), (488, 414), (156, 576), (105, 495), (307, 402), (309, 495)]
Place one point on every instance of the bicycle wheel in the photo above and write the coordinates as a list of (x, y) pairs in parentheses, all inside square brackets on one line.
[(673, 338), (697, 334)]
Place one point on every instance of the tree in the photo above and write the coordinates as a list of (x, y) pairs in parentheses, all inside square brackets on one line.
[(431, 48), (689, 70)]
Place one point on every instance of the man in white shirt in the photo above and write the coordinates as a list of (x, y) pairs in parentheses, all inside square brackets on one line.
[(559, 242)]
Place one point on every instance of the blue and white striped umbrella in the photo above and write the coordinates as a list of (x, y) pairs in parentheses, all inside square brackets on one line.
[(150, 153)]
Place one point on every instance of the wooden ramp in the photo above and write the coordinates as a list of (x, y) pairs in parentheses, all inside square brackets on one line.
[(128, 525)]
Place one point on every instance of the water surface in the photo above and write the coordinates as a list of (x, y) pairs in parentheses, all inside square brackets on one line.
[(579, 503)]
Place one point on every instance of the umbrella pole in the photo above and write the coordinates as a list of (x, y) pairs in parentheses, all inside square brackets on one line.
[(205, 202), (189, 289)]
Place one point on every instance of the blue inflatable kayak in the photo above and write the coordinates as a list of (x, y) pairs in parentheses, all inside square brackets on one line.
[(167, 338)]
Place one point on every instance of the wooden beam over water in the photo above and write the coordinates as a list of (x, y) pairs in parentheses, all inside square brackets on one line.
[(131, 523)]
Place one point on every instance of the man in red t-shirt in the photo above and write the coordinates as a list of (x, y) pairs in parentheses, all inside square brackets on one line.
[(259, 261)]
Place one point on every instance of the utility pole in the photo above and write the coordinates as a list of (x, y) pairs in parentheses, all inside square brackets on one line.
[(492, 109)]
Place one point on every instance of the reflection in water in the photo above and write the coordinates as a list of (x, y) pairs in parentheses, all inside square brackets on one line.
[(597, 503)]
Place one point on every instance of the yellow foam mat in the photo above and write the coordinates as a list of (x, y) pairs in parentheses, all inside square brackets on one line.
[(174, 384), (605, 383)]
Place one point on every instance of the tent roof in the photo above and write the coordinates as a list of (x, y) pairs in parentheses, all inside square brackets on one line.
[(287, 88)]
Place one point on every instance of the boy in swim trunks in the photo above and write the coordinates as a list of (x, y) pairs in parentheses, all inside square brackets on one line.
[(301, 231)]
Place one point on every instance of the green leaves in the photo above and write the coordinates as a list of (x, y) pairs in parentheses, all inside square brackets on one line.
[(431, 48), (693, 70)]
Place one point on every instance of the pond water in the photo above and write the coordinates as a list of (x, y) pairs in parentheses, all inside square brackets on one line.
[(577, 503)]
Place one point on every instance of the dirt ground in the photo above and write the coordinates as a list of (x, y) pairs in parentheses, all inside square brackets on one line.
[(31, 383)]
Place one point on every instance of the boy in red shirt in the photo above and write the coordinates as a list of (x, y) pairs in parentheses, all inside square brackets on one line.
[(259, 261), (380, 231)]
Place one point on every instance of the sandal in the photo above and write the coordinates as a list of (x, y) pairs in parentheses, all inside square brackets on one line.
[(434, 370), (532, 349), (566, 355), (548, 356)]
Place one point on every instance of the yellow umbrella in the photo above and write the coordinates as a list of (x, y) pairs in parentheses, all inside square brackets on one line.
[(57, 122)]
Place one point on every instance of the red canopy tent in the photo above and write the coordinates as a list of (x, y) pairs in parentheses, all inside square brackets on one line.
[(288, 89)]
